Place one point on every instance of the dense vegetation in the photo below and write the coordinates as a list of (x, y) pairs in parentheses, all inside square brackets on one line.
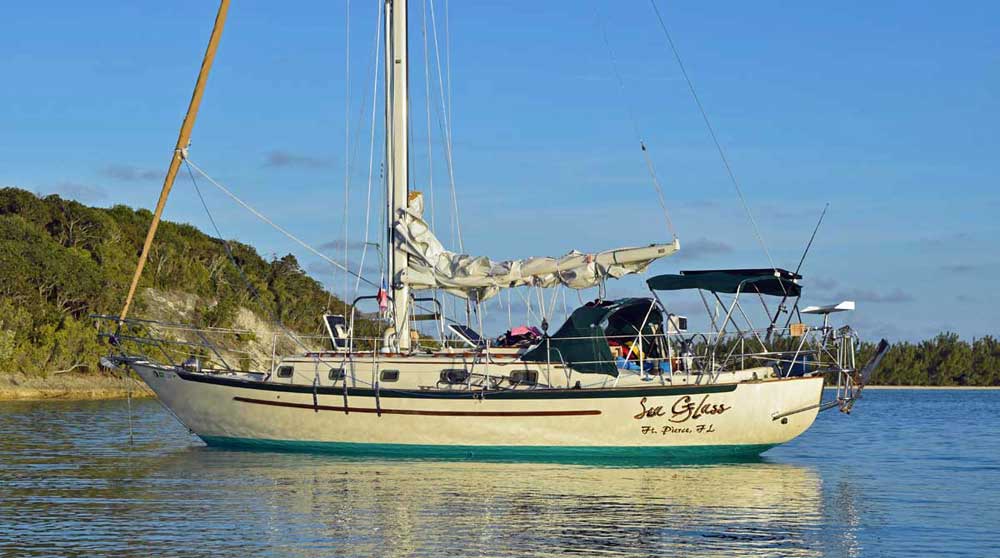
[(61, 261), (944, 360)]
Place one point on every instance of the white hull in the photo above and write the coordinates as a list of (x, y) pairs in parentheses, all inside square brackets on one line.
[(513, 400), (652, 419)]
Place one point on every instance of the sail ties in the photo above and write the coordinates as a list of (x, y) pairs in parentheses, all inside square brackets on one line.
[(478, 278)]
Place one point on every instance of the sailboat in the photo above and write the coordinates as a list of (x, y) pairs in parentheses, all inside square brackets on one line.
[(620, 377)]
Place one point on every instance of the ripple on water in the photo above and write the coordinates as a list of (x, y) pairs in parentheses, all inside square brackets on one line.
[(888, 481)]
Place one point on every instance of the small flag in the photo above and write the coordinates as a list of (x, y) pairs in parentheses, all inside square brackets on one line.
[(383, 297)]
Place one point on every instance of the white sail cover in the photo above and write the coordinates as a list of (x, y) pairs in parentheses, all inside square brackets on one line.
[(430, 266)]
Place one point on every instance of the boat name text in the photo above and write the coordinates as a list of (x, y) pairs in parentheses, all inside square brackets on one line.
[(683, 410)]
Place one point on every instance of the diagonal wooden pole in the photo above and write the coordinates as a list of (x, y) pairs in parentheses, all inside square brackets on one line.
[(182, 142)]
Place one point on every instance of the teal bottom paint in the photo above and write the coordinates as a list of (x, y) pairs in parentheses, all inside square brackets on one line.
[(619, 455)]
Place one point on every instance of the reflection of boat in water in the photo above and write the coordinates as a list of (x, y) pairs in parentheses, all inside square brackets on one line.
[(619, 377), (401, 508), (73, 484)]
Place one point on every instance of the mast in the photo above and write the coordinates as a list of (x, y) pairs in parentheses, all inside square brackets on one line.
[(397, 144), (183, 138)]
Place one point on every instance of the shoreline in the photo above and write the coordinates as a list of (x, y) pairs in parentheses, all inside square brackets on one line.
[(70, 387), (954, 388), (88, 387)]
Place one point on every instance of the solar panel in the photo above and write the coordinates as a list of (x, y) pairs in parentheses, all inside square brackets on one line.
[(468, 335)]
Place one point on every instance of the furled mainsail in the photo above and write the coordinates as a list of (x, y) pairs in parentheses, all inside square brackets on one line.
[(431, 266)]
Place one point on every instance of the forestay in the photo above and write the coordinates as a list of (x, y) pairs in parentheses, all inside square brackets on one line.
[(479, 278)]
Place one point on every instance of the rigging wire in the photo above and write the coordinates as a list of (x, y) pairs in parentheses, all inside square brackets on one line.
[(232, 259), (447, 58), (371, 153), (370, 89), (552, 300), (541, 304), (711, 132), (427, 112), (347, 133), (386, 217), (510, 317), (565, 306), (635, 126), (427, 106), (285, 232), (353, 148), (527, 302), (446, 123), (276, 226)]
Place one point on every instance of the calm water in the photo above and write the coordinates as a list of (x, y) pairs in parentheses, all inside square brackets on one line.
[(910, 473)]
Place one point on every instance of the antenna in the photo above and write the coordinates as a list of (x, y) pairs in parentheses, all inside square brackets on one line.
[(781, 305), (811, 238)]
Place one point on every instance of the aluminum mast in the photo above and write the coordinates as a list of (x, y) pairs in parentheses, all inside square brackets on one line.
[(397, 158)]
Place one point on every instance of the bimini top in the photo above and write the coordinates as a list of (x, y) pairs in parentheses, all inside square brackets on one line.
[(776, 282)]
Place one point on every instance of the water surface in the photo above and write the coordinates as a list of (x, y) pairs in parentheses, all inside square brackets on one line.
[(910, 473)]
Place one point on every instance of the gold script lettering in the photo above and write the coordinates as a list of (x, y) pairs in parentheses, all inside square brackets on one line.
[(648, 413), (685, 409)]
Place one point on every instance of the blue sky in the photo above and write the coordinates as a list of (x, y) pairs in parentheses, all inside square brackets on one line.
[(888, 111)]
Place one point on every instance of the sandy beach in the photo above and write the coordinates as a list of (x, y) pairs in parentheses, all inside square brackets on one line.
[(17, 387)]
